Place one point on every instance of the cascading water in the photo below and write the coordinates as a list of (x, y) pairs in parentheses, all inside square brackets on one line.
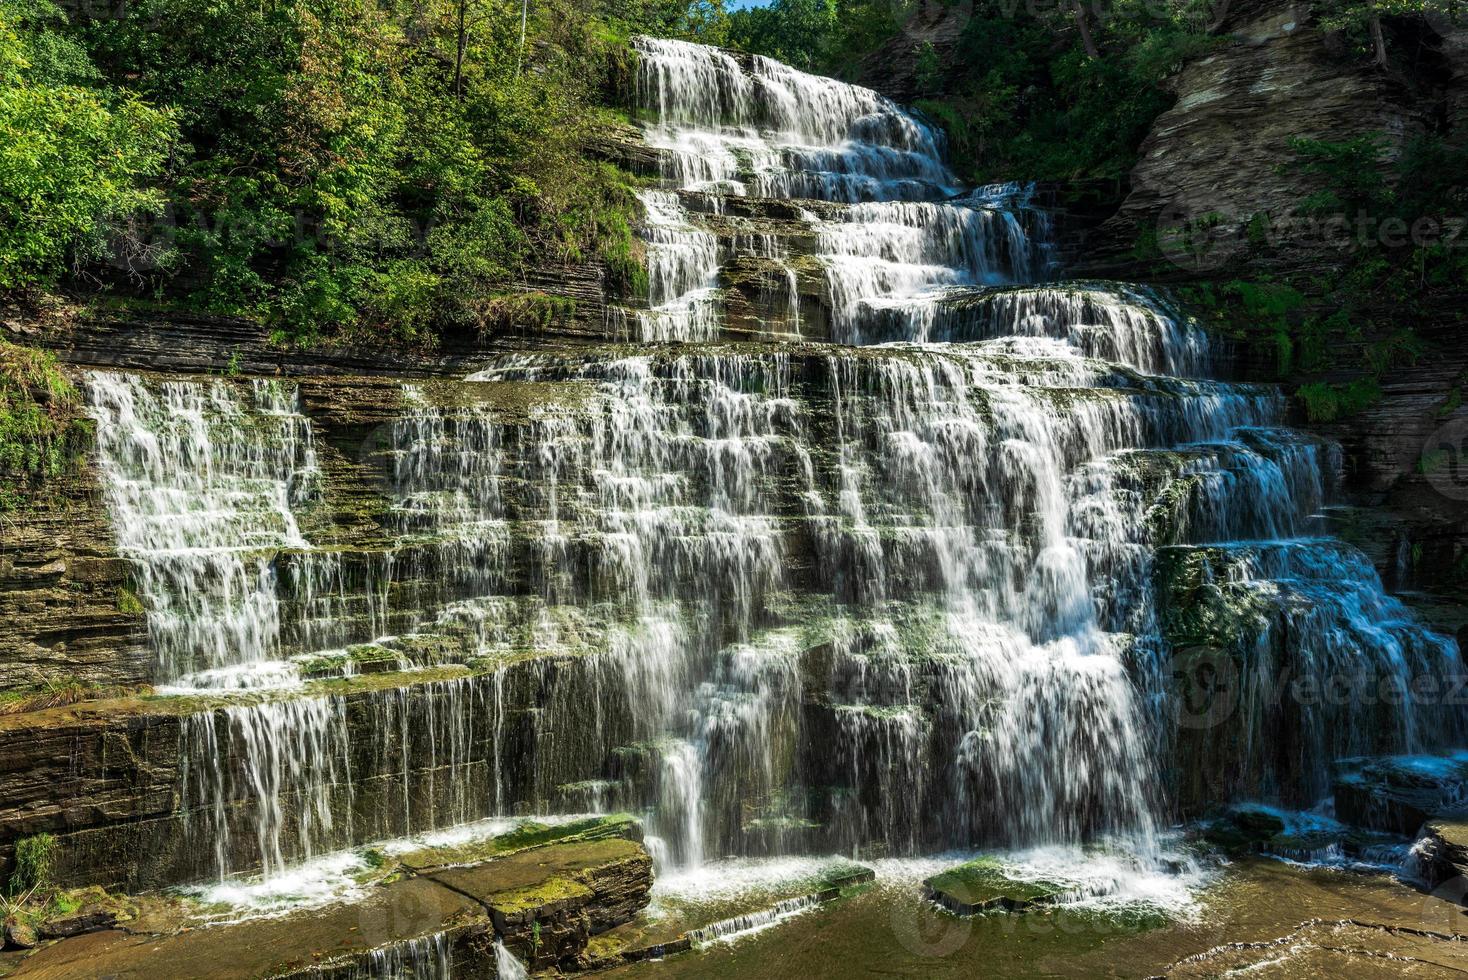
[(921, 594), (202, 480)]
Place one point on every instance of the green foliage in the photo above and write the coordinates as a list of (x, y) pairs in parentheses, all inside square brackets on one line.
[(1360, 20), (1019, 96), (334, 168), (34, 864), (40, 428), (1350, 172), (1337, 329), (804, 33), (75, 155), (55, 692), (1326, 401)]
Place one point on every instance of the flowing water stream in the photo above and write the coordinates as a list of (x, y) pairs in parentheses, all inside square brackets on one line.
[(903, 577)]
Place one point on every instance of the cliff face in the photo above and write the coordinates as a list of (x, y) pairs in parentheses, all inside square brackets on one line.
[(1214, 162), (64, 595), (1216, 154)]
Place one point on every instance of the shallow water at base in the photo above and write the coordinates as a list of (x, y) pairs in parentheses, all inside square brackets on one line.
[(887, 930)]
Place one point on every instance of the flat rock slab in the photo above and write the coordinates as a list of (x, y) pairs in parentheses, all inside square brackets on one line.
[(983, 886), (279, 947), (546, 903)]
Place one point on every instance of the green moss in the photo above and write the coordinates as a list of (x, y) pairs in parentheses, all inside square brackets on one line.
[(984, 884), (538, 896), (524, 837)]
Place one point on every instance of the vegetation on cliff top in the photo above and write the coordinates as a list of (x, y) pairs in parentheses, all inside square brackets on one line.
[(331, 167), (1031, 91)]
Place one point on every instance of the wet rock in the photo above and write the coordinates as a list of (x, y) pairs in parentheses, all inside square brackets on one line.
[(79, 923), (1398, 794), (984, 886), (546, 904), (556, 897), (1243, 829), (1442, 851)]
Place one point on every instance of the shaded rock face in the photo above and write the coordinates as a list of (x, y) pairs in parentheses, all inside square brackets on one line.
[(892, 69), (1212, 162), (1405, 460), (1400, 794)]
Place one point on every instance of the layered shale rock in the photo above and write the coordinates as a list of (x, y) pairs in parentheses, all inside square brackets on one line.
[(72, 615), (1212, 162)]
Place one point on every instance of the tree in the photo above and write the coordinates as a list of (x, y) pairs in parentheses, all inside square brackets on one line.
[(1362, 19), (75, 157), (1083, 25)]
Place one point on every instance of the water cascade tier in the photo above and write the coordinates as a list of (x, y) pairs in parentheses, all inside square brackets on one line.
[(866, 532)]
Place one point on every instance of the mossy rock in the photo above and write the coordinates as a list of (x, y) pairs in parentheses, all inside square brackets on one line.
[(547, 897), (1243, 829), (983, 885), (524, 837)]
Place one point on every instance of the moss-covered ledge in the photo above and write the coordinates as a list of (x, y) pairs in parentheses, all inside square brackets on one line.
[(544, 902)]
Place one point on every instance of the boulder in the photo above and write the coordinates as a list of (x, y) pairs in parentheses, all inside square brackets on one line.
[(78, 923), (1442, 851)]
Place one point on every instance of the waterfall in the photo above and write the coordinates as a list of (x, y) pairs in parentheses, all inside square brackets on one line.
[(916, 570), (201, 480), (751, 127), (424, 958), (287, 762), (507, 965)]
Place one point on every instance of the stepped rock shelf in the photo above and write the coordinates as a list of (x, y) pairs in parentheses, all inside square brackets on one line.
[(861, 533)]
